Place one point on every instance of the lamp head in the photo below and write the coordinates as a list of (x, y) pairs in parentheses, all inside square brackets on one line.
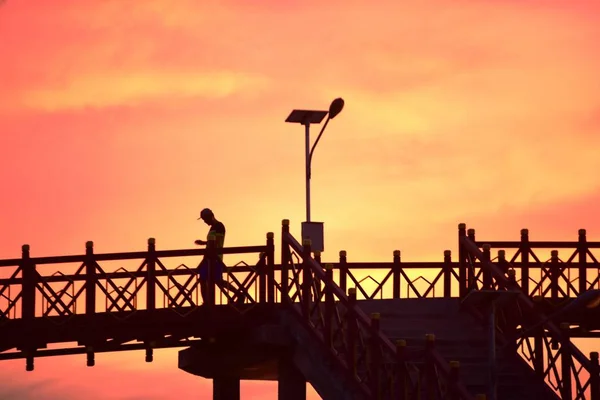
[(336, 107)]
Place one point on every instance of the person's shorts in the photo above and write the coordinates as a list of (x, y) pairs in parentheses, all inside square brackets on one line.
[(217, 272)]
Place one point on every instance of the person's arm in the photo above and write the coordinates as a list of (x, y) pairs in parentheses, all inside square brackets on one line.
[(200, 242), (219, 240), (219, 233)]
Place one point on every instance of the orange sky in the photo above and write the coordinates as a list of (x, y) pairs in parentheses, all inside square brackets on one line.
[(120, 121)]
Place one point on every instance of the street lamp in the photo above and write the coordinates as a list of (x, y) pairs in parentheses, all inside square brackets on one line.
[(314, 230)]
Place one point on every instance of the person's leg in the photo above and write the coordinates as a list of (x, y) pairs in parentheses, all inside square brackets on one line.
[(203, 290), (202, 276)]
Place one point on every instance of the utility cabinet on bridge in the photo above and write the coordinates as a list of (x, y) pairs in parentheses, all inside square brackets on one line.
[(314, 232)]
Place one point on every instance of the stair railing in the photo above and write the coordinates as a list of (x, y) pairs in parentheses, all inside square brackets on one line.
[(562, 366), (380, 368)]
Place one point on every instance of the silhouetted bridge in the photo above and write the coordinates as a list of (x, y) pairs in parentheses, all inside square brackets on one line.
[(498, 325)]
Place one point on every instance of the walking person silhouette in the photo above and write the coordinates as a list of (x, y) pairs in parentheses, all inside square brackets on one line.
[(218, 230)]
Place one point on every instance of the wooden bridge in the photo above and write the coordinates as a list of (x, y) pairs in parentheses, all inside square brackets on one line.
[(496, 326)]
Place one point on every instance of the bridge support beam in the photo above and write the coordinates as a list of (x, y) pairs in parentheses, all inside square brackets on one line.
[(226, 388), (291, 382)]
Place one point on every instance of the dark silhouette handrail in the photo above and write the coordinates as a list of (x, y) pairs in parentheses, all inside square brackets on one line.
[(364, 320), (499, 275), (525, 303)]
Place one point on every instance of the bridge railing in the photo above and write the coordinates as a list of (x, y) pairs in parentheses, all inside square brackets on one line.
[(542, 268), (536, 337), (101, 283), (124, 282), (92, 283), (381, 368)]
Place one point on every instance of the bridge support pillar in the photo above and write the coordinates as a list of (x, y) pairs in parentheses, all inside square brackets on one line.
[(226, 388), (291, 382)]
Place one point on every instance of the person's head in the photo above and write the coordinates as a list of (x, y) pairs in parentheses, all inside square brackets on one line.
[(207, 216)]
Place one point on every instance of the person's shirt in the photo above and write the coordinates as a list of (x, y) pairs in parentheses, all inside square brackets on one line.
[(218, 229)]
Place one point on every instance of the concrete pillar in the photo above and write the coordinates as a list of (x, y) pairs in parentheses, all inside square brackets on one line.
[(291, 382), (226, 388)]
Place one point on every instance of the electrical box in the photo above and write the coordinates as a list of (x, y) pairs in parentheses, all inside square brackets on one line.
[(314, 232)]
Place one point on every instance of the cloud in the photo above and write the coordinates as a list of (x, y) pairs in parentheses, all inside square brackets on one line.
[(121, 121), (127, 89), (101, 51), (106, 54), (26, 390)]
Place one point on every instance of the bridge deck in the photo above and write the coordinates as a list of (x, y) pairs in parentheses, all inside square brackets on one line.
[(170, 327), (110, 331)]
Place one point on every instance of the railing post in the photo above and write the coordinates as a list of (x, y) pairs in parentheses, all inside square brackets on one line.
[(462, 261), (487, 273), (511, 317), (431, 378), (343, 270), (151, 278), (316, 280), (306, 279), (471, 275), (525, 249), (566, 363), (471, 234), (503, 265), (401, 387), (262, 281), (375, 357), (317, 256), (211, 254), (329, 305), (538, 346), (582, 248), (447, 273), (28, 286), (285, 261), (454, 376), (512, 278), (271, 267), (351, 332), (90, 279), (28, 301), (554, 274), (594, 377), (396, 273)]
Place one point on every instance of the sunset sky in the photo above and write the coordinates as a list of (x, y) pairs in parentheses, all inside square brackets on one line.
[(121, 120)]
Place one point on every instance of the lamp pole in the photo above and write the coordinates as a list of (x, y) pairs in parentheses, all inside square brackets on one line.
[(307, 167), (307, 117)]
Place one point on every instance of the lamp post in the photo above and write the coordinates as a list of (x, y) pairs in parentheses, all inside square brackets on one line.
[(306, 118)]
